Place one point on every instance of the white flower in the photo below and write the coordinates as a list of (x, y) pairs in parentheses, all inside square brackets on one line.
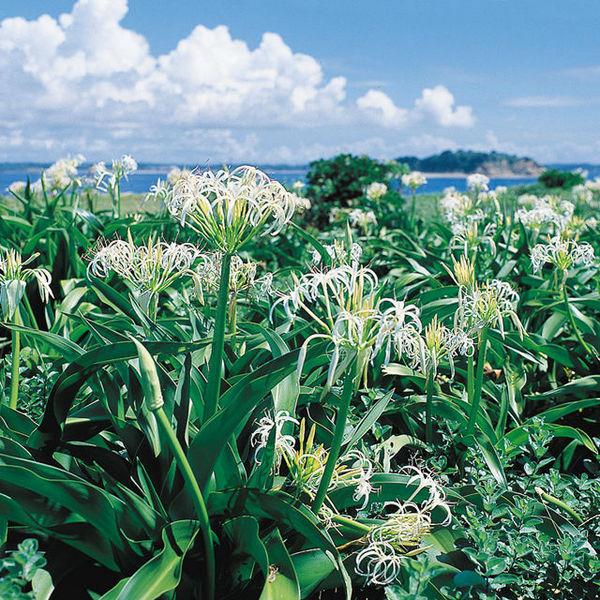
[(151, 267), (298, 185), (362, 218), (582, 193), (14, 274), (461, 210), (500, 189), (228, 208), (302, 203), (486, 306), (380, 563), (338, 254), (59, 175), (562, 254), (176, 173), (402, 531), (376, 190), (17, 187), (284, 443), (478, 182), (108, 179), (414, 180), (342, 301), (546, 210), (593, 185), (242, 276)]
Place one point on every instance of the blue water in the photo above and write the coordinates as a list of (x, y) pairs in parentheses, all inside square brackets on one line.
[(147, 175)]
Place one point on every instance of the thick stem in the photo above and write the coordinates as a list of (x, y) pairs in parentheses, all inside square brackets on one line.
[(338, 435), (428, 407), (413, 208), (478, 388), (470, 378), (213, 384), (197, 498), (572, 318), (351, 524), (16, 357)]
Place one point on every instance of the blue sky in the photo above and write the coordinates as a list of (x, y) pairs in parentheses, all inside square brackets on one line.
[(383, 77)]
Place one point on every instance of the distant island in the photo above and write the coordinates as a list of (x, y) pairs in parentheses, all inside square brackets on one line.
[(492, 164)]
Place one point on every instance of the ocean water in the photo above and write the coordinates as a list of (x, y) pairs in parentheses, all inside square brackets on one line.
[(140, 181)]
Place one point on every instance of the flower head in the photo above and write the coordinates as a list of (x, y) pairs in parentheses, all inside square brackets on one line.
[(229, 208), (284, 443), (487, 305), (14, 275), (478, 182), (362, 218), (414, 180), (151, 267), (106, 178), (376, 191), (242, 276), (561, 254), (547, 210)]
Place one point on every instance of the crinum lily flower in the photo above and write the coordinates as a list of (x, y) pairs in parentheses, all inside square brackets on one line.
[(14, 275), (150, 268), (402, 531), (229, 208), (343, 302), (562, 254)]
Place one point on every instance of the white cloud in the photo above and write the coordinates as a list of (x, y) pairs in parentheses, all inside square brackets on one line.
[(381, 108), (543, 102), (436, 104), (85, 83)]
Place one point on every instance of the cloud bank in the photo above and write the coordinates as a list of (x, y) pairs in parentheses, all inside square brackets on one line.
[(83, 82)]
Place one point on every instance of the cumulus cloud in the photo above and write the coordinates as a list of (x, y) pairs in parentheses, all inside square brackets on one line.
[(87, 80), (435, 103)]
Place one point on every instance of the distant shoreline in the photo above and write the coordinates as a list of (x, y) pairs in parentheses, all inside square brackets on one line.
[(459, 175)]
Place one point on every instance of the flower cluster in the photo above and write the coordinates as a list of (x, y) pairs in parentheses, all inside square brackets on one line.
[(362, 219), (283, 443), (150, 268), (460, 210), (414, 180), (402, 531), (375, 191), (228, 208), (485, 306), (106, 178), (14, 275), (547, 210), (338, 254), (562, 254), (242, 276), (477, 182), (306, 464)]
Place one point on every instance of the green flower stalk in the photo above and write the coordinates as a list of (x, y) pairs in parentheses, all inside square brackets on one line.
[(227, 209), (563, 255), (155, 403), (14, 275)]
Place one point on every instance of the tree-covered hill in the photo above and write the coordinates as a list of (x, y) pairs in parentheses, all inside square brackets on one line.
[(469, 161)]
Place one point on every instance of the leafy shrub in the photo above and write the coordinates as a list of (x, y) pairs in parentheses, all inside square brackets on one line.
[(336, 182), (553, 178)]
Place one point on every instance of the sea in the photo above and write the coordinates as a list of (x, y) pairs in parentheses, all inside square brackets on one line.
[(147, 175)]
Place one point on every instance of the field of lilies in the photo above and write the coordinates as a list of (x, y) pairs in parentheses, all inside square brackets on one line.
[(341, 389)]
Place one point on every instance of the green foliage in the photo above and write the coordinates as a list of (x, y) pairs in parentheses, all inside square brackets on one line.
[(22, 574), (553, 178), (145, 441), (341, 182)]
